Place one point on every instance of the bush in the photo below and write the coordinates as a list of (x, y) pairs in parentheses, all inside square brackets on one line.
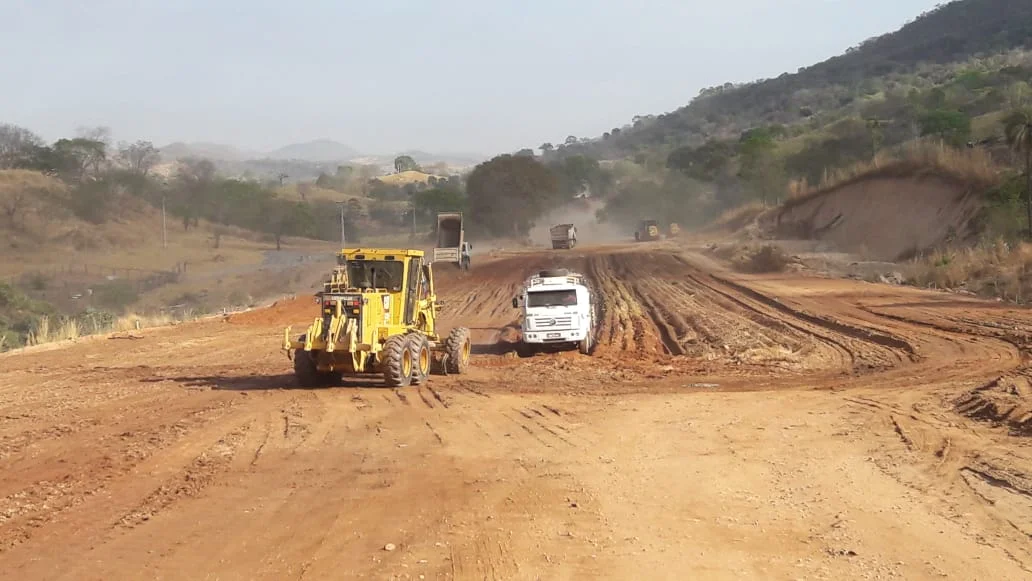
[(95, 321), (116, 295), (767, 258)]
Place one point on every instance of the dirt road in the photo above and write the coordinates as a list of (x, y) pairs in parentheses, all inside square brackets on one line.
[(729, 427)]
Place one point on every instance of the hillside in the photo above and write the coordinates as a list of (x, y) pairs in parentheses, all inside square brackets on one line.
[(952, 33), (319, 150)]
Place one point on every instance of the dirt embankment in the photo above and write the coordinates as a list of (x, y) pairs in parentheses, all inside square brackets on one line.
[(883, 218)]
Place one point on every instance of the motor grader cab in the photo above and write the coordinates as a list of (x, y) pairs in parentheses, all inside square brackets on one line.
[(378, 315), (675, 230), (649, 230)]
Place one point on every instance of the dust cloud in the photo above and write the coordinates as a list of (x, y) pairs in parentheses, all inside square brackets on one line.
[(580, 213)]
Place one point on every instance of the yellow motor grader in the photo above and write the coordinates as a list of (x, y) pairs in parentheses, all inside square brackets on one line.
[(378, 316)]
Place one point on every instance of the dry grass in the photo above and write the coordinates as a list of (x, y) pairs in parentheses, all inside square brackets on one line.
[(997, 269), (45, 332), (53, 331), (972, 168), (134, 322)]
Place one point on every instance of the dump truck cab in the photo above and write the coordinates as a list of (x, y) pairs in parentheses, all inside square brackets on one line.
[(378, 314), (557, 309)]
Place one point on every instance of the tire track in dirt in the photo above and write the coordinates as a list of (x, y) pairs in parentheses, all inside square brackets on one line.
[(674, 312)]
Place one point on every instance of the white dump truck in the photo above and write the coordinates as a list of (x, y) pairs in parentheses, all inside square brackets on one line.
[(563, 236), (451, 240), (558, 311)]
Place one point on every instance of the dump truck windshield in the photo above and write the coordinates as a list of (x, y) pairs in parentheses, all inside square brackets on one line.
[(365, 274), (552, 298)]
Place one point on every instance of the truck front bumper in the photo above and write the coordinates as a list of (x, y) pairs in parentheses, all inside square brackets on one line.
[(571, 336)]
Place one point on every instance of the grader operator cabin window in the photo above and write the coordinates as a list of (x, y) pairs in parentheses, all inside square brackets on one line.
[(366, 274)]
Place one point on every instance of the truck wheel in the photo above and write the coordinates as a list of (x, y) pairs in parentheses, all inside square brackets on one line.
[(397, 361), (458, 346), (585, 345), (420, 348)]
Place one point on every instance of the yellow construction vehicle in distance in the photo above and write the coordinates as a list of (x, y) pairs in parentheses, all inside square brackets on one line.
[(675, 230), (378, 316)]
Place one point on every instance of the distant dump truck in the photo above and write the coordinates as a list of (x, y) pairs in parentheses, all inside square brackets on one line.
[(563, 236), (649, 230), (451, 240)]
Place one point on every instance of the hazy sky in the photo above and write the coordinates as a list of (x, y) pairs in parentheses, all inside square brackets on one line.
[(445, 75)]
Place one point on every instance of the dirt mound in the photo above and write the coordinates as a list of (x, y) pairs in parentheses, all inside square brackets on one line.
[(282, 312), (1006, 401), (885, 218)]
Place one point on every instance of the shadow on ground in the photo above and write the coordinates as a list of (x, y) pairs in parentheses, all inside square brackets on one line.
[(263, 382)]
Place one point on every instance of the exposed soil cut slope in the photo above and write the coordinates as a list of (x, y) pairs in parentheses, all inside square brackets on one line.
[(886, 218)]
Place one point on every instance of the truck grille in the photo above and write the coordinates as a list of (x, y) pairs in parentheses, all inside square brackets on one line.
[(549, 323)]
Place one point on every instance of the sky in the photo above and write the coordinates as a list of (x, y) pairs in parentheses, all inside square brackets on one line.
[(446, 76)]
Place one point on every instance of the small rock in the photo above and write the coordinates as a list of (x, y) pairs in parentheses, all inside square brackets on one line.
[(390, 547)]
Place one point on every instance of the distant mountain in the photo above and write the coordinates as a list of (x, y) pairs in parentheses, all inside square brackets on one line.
[(453, 159), (319, 150), (212, 151)]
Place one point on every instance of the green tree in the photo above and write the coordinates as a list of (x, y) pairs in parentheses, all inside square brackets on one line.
[(78, 157), (19, 147), (546, 148), (139, 157), (285, 218), (1017, 128), (195, 180), (705, 162), (429, 202), (953, 127), (508, 192), (405, 163)]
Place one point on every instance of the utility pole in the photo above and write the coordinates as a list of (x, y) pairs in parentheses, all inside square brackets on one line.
[(342, 239), (164, 225)]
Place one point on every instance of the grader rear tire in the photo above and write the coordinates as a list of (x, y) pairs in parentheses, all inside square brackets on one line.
[(458, 347), (421, 358), (397, 361), (306, 371)]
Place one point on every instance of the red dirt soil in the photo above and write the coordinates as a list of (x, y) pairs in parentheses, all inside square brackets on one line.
[(729, 427)]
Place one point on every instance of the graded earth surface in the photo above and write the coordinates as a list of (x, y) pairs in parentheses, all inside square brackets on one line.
[(728, 426)]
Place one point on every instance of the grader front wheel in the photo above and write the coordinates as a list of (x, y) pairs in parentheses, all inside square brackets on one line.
[(420, 348), (397, 361), (458, 347)]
